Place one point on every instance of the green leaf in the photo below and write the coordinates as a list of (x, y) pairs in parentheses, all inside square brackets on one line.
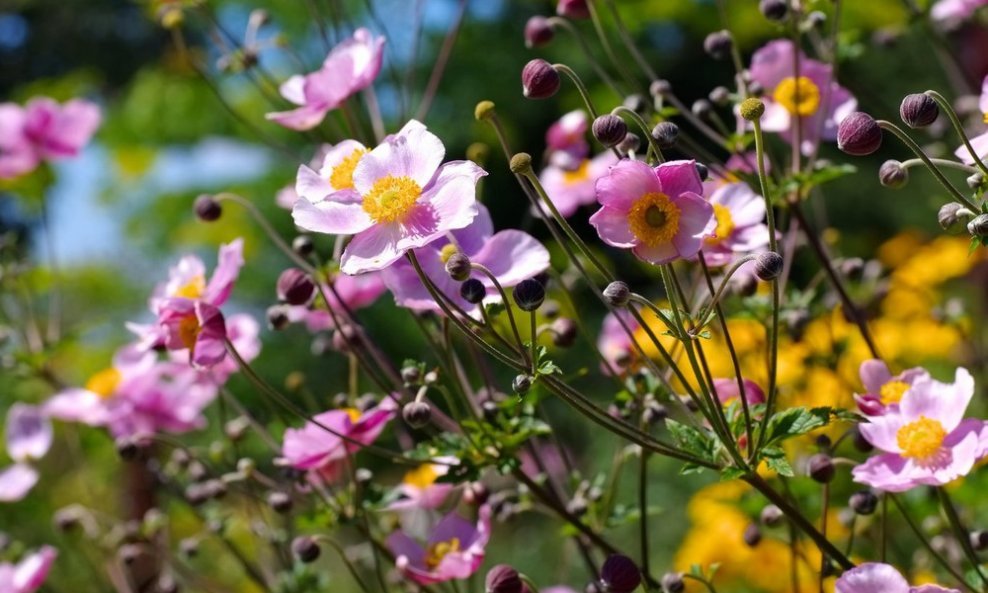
[(794, 422), (780, 465), (691, 439)]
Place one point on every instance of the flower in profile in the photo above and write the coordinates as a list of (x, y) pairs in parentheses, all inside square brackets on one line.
[(727, 391), (419, 489), (453, 550), (658, 212), (952, 12), (511, 255), (873, 577), (884, 391), (614, 344), (29, 574), (570, 183), (810, 96), (739, 228), (401, 197), (926, 441), (978, 143), (43, 130), (331, 436), (351, 66)]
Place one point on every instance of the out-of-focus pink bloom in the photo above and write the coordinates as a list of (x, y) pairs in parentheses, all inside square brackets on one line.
[(29, 574), (884, 391), (572, 187), (978, 143), (43, 130), (354, 292), (402, 197), (954, 11), (569, 134), (811, 95), (738, 224), (195, 326), (658, 212), (28, 432), (727, 391), (573, 9), (873, 577), (454, 549), (15, 482), (614, 343), (331, 436), (350, 67), (242, 330), (511, 255), (419, 488), (926, 441)]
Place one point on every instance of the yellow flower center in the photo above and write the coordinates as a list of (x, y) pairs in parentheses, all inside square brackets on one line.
[(921, 439), (654, 219), (800, 96), (985, 118), (578, 175), (192, 289), (188, 331), (892, 392), (104, 383), (725, 224), (391, 198), (342, 175), (353, 413), (421, 477), (437, 551), (448, 251)]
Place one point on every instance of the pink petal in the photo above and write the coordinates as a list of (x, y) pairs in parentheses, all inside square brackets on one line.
[(450, 199), (293, 89), (983, 101), (945, 402), (882, 431), (626, 182), (228, 264), (373, 249), (872, 577), (978, 143), (874, 374), (679, 177), (73, 125), (513, 256), (78, 405), (32, 571), (337, 154), (16, 481), (746, 207), (887, 471), (311, 186), (695, 214), (474, 236), (659, 254), (28, 432), (416, 155), (301, 119), (210, 345), (613, 228), (332, 217)]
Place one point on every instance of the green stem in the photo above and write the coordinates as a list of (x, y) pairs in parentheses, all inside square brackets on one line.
[(956, 122), (926, 543)]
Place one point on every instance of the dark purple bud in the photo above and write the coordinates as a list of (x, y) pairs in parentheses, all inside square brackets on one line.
[(821, 468), (473, 291), (295, 287), (950, 216), (892, 174), (573, 9), (563, 332), (280, 502), (503, 579), (277, 317), (768, 266), (539, 80), (631, 143), (417, 414), (718, 44), (702, 170), (620, 574), (918, 110), (529, 294), (617, 293), (774, 10), (609, 129), (859, 134), (752, 535), (303, 245), (719, 96), (771, 515), (978, 226), (665, 134), (305, 548), (701, 108), (861, 443), (207, 208), (863, 502), (538, 32), (672, 582), (660, 88), (521, 384), (979, 540)]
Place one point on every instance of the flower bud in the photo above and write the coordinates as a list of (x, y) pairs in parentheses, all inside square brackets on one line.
[(631, 143), (755, 89), (620, 574), (411, 374), (918, 110), (719, 95), (892, 174), (979, 540), (295, 287), (484, 110), (127, 448), (660, 88), (538, 32), (821, 468), (654, 412), (672, 582), (473, 291), (475, 493), (529, 294), (816, 19), (521, 384), (701, 108), (617, 294), (859, 134), (974, 181), (752, 535), (503, 579), (280, 502), (521, 163), (718, 44), (665, 133), (752, 109), (774, 10), (305, 548), (563, 332), (702, 170), (207, 208), (609, 129), (950, 217), (458, 266), (303, 246), (860, 442), (771, 516), (978, 225), (573, 9), (539, 80), (768, 266), (417, 414), (277, 317), (863, 502)]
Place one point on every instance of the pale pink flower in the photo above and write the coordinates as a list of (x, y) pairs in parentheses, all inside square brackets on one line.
[(43, 130), (727, 390), (883, 391), (872, 577), (453, 550), (614, 344), (29, 574), (954, 11), (569, 136), (332, 436), (738, 225)]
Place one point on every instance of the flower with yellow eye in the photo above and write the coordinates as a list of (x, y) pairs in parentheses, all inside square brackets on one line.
[(883, 391), (927, 440), (801, 96), (978, 143), (329, 438), (738, 224), (421, 488), (453, 550)]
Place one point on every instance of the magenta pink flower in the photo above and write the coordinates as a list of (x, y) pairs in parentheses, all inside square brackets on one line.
[(43, 130), (927, 440), (342, 432), (657, 213), (978, 143), (454, 549), (811, 94), (402, 197), (511, 255), (354, 292), (569, 182), (350, 67), (873, 577), (955, 11), (727, 391), (419, 488), (738, 226), (29, 574), (883, 391)]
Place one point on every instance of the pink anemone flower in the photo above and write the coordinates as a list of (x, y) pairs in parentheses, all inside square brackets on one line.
[(978, 143), (572, 185), (511, 255), (953, 12), (810, 96), (43, 130), (873, 577), (454, 549), (614, 344), (926, 441), (29, 574), (739, 228), (419, 489), (402, 197), (658, 212), (884, 391), (334, 435), (351, 66), (727, 390)]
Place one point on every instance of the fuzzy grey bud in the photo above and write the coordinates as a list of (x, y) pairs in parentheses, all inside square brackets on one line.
[(617, 294), (892, 174), (458, 266), (417, 414), (768, 265)]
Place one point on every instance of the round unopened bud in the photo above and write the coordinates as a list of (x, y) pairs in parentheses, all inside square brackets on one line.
[(458, 266), (752, 109), (573, 9), (978, 225), (529, 294), (609, 129), (821, 468), (660, 88), (719, 95), (416, 414), (701, 108), (979, 540), (538, 32), (654, 412), (521, 163), (859, 134), (280, 502), (892, 174), (918, 110), (752, 535), (475, 493), (816, 19), (755, 89), (305, 548), (974, 181), (672, 582), (473, 291), (702, 170), (207, 208), (631, 143), (771, 516), (411, 374), (503, 579), (484, 110), (295, 287), (563, 332), (277, 316), (539, 80), (127, 448), (67, 519), (521, 384), (189, 547), (303, 245), (718, 44), (617, 293), (950, 217), (620, 574), (665, 134), (863, 502), (774, 10), (768, 265)]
